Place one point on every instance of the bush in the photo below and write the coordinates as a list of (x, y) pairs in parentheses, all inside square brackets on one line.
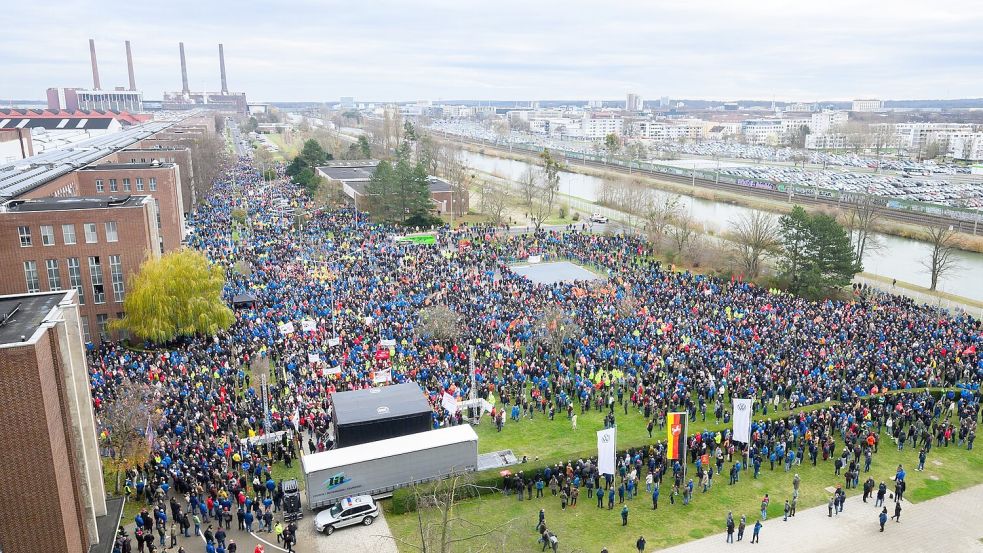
[(576, 215), (423, 221), (563, 212), (239, 216)]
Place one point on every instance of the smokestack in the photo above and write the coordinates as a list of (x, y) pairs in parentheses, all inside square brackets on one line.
[(184, 71), (221, 65), (129, 66), (95, 65)]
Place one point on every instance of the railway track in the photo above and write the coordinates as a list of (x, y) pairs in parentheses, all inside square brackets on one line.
[(897, 215)]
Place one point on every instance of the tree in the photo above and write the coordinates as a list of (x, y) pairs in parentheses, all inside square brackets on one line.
[(942, 259), (658, 212), (613, 144), (123, 421), (438, 322), (816, 256), (364, 148), (179, 294), (399, 192), (313, 153), (554, 327), (548, 189), (861, 219), (754, 235), (495, 203), (682, 232), (262, 159), (208, 157), (527, 185)]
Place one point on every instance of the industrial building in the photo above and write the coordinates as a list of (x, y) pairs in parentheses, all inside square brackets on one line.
[(48, 430), (354, 176), (222, 100), (117, 99)]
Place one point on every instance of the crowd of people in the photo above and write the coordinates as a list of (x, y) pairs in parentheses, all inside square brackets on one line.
[(333, 304)]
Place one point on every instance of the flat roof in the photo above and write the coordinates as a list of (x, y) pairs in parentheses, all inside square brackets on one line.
[(24, 314), (71, 203), (387, 402), (108, 525), (136, 165), (359, 173), (386, 448)]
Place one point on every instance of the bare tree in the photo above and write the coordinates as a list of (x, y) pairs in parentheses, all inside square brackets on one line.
[(440, 527), (527, 184), (942, 259), (495, 203), (658, 213), (861, 219), (392, 128), (208, 156), (124, 421), (438, 322), (547, 189), (682, 232), (554, 326), (753, 235)]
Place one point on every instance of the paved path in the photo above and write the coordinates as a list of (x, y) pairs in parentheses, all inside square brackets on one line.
[(950, 523)]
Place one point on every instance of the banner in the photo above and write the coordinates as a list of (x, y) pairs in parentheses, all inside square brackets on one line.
[(676, 445), (287, 328), (308, 325), (381, 377), (449, 402), (333, 370), (313, 357), (742, 420), (333, 342), (387, 343), (606, 440)]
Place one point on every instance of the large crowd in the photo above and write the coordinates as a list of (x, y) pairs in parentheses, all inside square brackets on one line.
[(653, 338)]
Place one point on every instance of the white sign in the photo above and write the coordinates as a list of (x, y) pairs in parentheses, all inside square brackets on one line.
[(333, 342), (387, 343), (313, 357), (535, 258), (381, 377), (742, 420), (333, 370), (287, 328), (606, 450), (449, 403), (368, 320), (308, 325)]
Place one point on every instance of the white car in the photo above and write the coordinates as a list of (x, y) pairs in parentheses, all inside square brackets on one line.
[(598, 218), (347, 512)]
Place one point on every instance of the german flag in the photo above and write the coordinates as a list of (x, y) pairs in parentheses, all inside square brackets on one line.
[(676, 425)]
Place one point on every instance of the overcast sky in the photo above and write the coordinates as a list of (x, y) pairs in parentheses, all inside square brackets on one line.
[(506, 49)]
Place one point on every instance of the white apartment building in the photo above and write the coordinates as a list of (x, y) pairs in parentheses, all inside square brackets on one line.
[(826, 122), (829, 141), (967, 147), (867, 105), (665, 131), (762, 131), (598, 126), (915, 136), (633, 103)]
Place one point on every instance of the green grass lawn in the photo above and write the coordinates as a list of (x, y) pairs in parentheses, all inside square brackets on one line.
[(587, 528)]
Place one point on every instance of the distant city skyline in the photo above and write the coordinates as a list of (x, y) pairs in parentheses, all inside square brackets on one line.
[(437, 49)]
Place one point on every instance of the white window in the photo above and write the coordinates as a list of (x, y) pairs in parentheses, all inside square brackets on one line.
[(153, 184), (111, 235), (25, 236), (48, 235), (116, 273), (139, 184), (113, 186), (31, 276), (99, 186), (91, 237), (54, 274), (75, 278), (84, 321), (126, 185), (68, 234), (95, 276), (102, 321)]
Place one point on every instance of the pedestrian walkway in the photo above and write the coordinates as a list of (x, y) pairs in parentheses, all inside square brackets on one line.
[(950, 523)]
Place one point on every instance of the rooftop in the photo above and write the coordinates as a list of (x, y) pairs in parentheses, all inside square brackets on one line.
[(71, 203), (21, 315), (115, 166), (387, 402), (21, 176), (53, 124), (352, 172)]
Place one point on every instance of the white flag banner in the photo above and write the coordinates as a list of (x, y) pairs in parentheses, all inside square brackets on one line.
[(287, 328), (449, 402), (606, 450), (333, 370), (387, 343), (368, 320), (308, 325), (742, 420), (381, 377), (313, 357), (333, 342)]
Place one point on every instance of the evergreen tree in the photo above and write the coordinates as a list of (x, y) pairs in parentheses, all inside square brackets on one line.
[(816, 257)]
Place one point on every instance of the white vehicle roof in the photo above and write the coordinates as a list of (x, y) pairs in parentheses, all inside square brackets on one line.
[(388, 448)]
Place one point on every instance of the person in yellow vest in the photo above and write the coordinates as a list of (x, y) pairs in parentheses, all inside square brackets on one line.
[(278, 530)]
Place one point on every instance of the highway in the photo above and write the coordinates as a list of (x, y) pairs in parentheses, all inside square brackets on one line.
[(901, 216)]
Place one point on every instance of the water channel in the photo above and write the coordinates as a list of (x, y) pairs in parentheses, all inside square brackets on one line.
[(899, 258)]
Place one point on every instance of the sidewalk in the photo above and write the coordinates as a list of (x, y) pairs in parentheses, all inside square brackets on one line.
[(949, 523)]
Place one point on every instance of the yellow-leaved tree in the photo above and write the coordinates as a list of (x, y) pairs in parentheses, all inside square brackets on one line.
[(179, 294)]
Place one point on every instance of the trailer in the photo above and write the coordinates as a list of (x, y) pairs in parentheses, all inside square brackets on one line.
[(362, 416), (377, 468)]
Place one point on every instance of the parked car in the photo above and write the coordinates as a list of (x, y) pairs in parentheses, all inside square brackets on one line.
[(598, 218), (347, 512)]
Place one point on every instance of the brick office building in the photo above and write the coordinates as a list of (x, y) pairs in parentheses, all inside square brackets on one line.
[(161, 181), (91, 245), (178, 154), (52, 487)]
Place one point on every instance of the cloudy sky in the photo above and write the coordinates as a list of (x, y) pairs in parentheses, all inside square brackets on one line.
[(506, 49)]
